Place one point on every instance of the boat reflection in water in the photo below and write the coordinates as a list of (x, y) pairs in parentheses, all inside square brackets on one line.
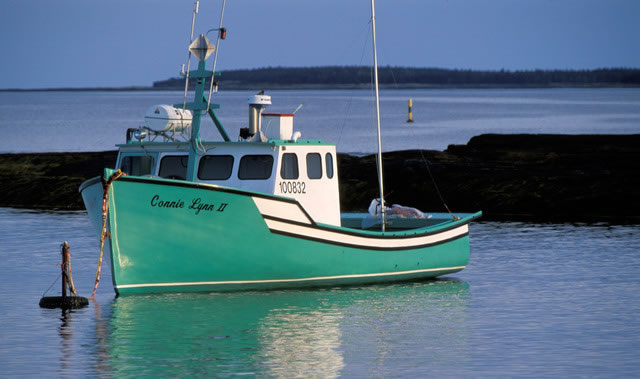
[(285, 333), (302, 343)]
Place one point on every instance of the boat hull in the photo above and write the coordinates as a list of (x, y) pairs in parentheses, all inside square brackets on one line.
[(176, 236)]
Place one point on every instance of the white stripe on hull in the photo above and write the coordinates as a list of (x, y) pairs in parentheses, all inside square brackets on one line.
[(364, 241), (281, 209), (354, 276)]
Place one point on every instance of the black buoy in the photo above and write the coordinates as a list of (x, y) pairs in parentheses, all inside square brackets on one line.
[(64, 301)]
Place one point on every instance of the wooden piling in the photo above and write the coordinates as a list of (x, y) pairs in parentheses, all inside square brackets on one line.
[(64, 301), (65, 267)]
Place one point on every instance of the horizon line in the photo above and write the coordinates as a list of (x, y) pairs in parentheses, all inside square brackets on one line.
[(349, 86)]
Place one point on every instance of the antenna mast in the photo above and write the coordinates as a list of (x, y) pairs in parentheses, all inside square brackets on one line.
[(221, 35), (196, 5)]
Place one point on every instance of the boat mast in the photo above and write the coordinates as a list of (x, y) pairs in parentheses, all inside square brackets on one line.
[(375, 74), (196, 5), (221, 34), (201, 48)]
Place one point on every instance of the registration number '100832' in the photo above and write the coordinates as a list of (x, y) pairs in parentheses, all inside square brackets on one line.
[(293, 187)]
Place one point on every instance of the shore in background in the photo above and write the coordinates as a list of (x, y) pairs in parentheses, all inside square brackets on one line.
[(536, 177), (357, 77)]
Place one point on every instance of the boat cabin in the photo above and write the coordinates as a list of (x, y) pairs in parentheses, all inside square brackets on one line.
[(269, 159)]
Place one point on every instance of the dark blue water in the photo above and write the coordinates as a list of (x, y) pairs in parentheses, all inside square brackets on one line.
[(96, 121), (537, 300)]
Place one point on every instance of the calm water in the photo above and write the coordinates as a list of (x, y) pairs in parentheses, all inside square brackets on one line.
[(96, 121), (536, 300)]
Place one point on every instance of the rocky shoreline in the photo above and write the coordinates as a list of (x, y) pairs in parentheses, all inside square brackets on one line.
[(533, 177)]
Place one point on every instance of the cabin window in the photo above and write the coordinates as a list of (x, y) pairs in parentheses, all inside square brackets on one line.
[(174, 167), (137, 165), (329, 164), (289, 167), (254, 167), (215, 167), (314, 166)]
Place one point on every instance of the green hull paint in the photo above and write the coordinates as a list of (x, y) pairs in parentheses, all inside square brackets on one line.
[(161, 242)]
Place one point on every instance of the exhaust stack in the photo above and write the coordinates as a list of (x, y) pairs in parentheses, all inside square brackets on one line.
[(257, 104)]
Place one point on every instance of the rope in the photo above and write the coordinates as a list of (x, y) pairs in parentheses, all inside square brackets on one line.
[(435, 185), (426, 162), (48, 289), (105, 210), (348, 112)]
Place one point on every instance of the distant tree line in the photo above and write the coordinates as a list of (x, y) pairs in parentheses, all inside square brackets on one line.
[(403, 77)]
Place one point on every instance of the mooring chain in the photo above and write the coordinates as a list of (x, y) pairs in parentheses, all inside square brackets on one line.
[(105, 210)]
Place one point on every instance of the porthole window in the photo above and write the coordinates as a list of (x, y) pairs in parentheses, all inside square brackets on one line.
[(174, 167), (314, 166), (329, 165), (255, 167), (215, 167), (289, 166)]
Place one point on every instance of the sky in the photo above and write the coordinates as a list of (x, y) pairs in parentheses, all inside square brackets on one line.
[(114, 43)]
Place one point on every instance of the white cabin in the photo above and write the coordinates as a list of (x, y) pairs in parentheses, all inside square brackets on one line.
[(269, 159), (304, 170)]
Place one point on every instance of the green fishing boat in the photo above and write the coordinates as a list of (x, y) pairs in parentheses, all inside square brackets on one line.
[(179, 214)]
